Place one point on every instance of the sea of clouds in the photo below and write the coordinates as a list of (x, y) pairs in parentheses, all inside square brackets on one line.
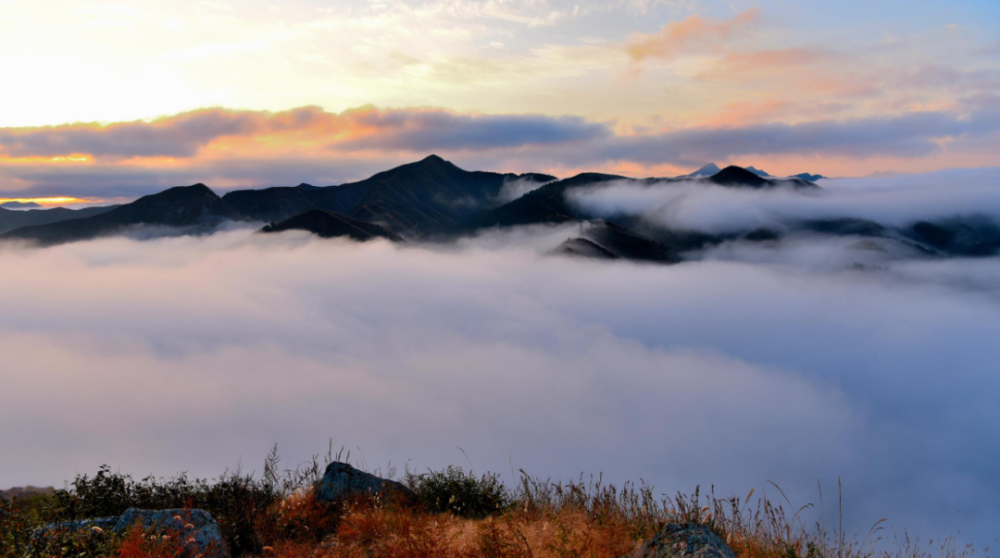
[(743, 366), (894, 201)]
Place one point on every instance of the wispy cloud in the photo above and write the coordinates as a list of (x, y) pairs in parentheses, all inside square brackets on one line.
[(689, 36)]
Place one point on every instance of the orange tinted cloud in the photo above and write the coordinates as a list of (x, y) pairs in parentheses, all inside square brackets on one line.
[(319, 147), (690, 34), (768, 63), (218, 131)]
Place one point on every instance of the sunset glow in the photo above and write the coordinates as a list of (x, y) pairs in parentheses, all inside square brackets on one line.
[(348, 88), (56, 201)]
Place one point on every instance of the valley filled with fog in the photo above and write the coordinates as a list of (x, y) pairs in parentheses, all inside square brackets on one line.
[(797, 360)]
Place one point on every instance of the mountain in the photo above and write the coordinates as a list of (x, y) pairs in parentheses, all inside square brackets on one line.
[(435, 198), (603, 239), (195, 207), (271, 204), (547, 204), (425, 198), (971, 236), (808, 177), (738, 176), (10, 220), (328, 224), (705, 171), (758, 172), (20, 205), (581, 247)]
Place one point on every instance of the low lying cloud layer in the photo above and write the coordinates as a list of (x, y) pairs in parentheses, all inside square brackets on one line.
[(895, 201), (192, 354)]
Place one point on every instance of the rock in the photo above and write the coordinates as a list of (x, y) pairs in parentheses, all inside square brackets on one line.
[(341, 481), (688, 540), (196, 524), (68, 527)]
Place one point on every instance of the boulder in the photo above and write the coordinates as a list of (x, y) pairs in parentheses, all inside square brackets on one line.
[(687, 540), (70, 527), (198, 525), (341, 481), (188, 524)]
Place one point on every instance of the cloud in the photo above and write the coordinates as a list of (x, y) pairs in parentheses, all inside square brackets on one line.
[(690, 35), (178, 136), (896, 201), (184, 135), (711, 372), (228, 148), (764, 64), (908, 135), (433, 130), (989, 50)]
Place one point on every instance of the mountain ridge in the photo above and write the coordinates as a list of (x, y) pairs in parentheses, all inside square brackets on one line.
[(435, 199), (195, 206)]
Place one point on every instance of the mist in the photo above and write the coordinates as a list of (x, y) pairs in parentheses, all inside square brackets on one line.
[(892, 201), (199, 353)]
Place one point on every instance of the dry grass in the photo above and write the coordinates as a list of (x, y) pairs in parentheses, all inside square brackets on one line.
[(590, 520), (454, 515)]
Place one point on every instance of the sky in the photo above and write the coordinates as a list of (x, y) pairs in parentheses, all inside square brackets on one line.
[(111, 100)]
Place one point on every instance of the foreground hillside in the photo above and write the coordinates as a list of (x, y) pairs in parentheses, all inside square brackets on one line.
[(437, 514)]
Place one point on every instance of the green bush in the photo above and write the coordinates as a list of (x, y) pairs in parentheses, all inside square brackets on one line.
[(463, 494), (237, 501)]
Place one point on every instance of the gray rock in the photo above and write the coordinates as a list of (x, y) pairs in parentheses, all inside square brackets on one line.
[(687, 540), (341, 481), (69, 527), (192, 524)]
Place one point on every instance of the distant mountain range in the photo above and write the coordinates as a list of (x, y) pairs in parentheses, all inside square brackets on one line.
[(11, 219), (434, 199), (191, 207), (20, 205)]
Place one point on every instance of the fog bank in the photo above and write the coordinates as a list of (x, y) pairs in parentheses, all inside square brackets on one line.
[(191, 354), (893, 201)]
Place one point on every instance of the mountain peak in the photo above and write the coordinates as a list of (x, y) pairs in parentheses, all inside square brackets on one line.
[(194, 191), (435, 162), (706, 170), (758, 172), (733, 175), (808, 177)]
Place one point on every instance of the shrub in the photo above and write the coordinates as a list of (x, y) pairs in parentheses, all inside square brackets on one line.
[(465, 495)]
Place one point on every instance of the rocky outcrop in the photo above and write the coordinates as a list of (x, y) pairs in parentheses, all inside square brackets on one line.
[(687, 540), (198, 531), (197, 527), (102, 523), (341, 481)]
